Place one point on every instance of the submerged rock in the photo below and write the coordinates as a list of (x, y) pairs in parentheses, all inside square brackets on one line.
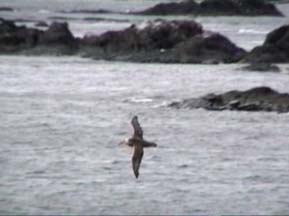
[(275, 49), (214, 8), (6, 9), (255, 99), (88, 11), (261, 67)]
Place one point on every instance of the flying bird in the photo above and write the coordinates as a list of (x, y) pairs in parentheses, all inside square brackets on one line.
[(138, 143)]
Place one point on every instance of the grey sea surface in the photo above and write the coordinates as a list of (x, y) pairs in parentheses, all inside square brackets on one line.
[(61, 119)]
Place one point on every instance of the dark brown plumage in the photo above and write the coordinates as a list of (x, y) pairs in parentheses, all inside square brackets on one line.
[(138, 143)]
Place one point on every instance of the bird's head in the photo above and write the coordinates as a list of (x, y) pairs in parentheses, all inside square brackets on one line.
[(124, 142)]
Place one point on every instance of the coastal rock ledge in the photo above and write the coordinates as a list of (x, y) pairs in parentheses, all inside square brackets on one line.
[(255, 99)]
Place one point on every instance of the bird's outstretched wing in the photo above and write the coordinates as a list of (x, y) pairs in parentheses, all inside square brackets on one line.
[(148, 144), (138, 132), (136, 160)]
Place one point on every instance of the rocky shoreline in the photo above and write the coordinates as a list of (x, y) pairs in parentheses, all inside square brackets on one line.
[(255, 99)]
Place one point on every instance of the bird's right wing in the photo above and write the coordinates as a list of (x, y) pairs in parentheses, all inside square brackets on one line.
[(138, 132), (148, 144)]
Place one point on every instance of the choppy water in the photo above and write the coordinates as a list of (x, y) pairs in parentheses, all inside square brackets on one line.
[(63, 117)]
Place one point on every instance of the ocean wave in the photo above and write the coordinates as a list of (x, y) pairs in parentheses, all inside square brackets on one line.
[(139, 100), (251, 31)]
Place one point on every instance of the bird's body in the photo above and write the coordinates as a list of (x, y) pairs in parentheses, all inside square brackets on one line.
[(138, 143)]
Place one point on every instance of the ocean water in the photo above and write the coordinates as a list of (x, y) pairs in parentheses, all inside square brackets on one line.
[(63, 117)]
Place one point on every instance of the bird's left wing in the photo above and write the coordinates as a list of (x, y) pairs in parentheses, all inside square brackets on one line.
[(136, 161)]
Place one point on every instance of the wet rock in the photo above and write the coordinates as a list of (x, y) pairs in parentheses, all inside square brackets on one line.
[(57, 33), (214, 8), (172, 8), (163, 41), (261, 67), (179, 41), (41, 24), (275, 49), (255, 99), (214, 48), (15, 38)]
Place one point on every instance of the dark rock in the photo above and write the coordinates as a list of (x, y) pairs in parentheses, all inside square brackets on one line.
[(274, 50), (89, 11), (257, 7), (214, 48), (179, 41), (261, 67), (57, 33), (163, 41), (217, 7), (6, 9), (214, 8), (100, 19), (186, 7), (14, 38), (29, 40), (255, 99), (41, 24)]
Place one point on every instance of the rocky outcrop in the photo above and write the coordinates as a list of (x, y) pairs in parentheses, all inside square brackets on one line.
[(208, 48), (163, 41), (57, 33), (57, 39), (14, 38), (172, 8), (214, 8), (255, 99), (179, 41), (275, 49)]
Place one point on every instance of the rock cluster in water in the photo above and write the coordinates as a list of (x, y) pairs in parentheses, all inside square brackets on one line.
[(179, 41), (255, 99), (160, 41), (163, 41), (274, 49), (214, 8), (57, 39)]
